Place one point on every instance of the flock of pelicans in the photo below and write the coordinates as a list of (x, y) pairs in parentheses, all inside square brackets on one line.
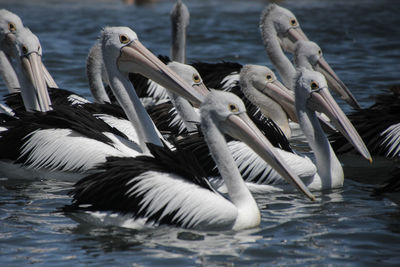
[(158, 147)]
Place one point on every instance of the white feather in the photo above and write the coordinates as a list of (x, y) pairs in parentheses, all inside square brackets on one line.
[(66, 150), (123, 125), (156, 91), (392, 140), (230, 81), (77, 100), (250, 163), (196, 207)]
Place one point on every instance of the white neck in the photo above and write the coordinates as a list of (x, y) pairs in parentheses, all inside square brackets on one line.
[(134, 110), (239, 194), (274, 50), (94, 65), (186, 111), (178, 54), (329, 168), (302, 62), (8, 74), (178, 48)]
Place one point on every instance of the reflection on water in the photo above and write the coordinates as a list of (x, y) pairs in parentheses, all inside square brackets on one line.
[(360, 40)]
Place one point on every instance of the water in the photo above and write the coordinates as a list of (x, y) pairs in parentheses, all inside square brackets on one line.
[(360, 40)]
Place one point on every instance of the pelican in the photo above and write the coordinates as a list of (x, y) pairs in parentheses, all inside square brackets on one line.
[(167, 189), (26, 49), (10, 23), (311, 92), (67, 150)]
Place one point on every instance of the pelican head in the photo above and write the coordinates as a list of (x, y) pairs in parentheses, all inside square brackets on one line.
[(179, 21), (27, 49), (284, 23), (309, 55), (9, 23), (312, 94), (122, 44), (180, 14), (190, 75), (264, 81), (228, 112)]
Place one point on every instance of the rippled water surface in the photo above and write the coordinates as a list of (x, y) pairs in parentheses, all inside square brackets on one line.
[(361, 41)]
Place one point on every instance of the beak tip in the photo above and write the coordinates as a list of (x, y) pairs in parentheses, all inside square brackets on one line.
[(355, 104), (370, 160)]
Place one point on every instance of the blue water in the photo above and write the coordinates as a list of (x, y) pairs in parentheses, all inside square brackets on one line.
[(347, 226)]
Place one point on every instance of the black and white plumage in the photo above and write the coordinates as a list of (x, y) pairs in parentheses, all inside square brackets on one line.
[(67, 142), (148, 191), (378, 125)]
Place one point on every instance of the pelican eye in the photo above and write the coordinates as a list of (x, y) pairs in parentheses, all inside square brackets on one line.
[(269, 77), (24, 49), (124, 39), (293, 22), (233, 108), (319, 52), (11, 27), (196, 78), (314, 85)]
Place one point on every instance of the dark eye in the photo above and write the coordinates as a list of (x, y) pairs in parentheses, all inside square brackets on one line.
[(24, 49), (196, 78), (314, 85), (233, 108), (11, 27), (319, 52), (124, 39), (293, 22), (269, 77)]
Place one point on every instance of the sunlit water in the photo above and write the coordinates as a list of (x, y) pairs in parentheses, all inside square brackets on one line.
[(361, 41)]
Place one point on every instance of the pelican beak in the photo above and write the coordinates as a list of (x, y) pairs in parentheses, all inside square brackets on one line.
[(321, 100), (282, 95), (241, 127), (47, 77), (294, 34), (335, 83), (138, 59), (202, 88), (32, 67)]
